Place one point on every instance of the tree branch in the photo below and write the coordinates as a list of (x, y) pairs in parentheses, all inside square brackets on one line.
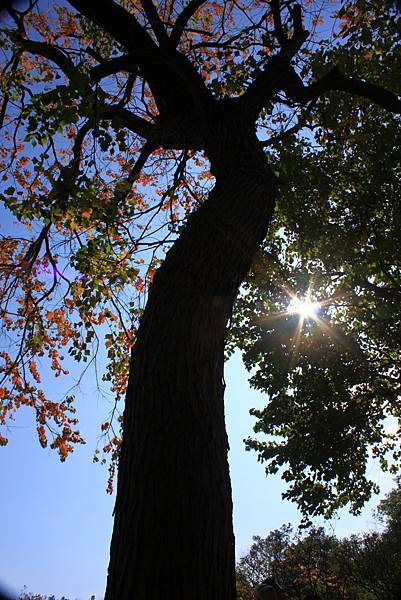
[(155, 22), (334, 80), (183, 19), (136, 124), (132, 122), (175, 83), (129, 86), (296, 16), (114, 65), (292, 130), (6, 96), (271, 79), (121, 196), (121, 24), (160, 135), (52, 53), (278, 25)]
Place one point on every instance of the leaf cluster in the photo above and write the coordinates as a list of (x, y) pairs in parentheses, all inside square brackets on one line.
[(332, 381)]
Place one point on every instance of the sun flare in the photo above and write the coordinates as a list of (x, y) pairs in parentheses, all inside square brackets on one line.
[(305, 308)]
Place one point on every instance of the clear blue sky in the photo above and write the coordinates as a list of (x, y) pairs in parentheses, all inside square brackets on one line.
[(56, 519)]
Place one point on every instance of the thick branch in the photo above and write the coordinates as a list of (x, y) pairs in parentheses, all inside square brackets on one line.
[(129, 120), (334, 80), (6, 96), (183, 19), (267, 83), (79, 140), (121, 196), (296, 16), (278, 25), (132, 122), (70, 172), (129, 86), (271, 79), (34, 248), (155, 22), (52, 53), (114, 65), (120, 23), (163, 134), (175, 84)]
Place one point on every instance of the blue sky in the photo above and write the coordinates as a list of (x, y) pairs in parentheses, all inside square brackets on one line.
[(57, 518)]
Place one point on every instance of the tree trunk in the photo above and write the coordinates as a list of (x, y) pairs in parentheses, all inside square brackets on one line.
[(173, 536)]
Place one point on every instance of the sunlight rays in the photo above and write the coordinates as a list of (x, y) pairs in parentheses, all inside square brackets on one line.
[(307, 309)]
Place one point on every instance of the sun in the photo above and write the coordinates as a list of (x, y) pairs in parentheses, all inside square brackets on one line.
[(304, 308)]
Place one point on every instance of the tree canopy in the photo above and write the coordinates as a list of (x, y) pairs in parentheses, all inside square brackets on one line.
[(104, 162), (332, 376), (361, 567)]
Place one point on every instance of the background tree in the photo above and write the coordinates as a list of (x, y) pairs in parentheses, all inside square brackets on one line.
[(362, 567), (375, 556), (244, 588), (131, 125), (302, 563)]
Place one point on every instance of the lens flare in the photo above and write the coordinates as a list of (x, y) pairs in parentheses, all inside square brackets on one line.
[(305, 308)]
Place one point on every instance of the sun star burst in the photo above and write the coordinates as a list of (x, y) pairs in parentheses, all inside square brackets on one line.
[(305, 308)]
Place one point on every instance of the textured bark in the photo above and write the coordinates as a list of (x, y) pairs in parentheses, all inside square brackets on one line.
[(173, 536)]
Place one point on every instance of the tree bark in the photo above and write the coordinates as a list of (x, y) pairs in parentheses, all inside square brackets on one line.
[(173, 536)]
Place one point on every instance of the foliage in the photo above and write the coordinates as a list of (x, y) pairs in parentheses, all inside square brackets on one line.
[(376, 556), (244, 589), (332, 379), (312, 563), (363, 567), (73, 273)]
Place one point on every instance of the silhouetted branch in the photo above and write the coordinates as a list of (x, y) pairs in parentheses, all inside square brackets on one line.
[(334, 80), (182, 20)]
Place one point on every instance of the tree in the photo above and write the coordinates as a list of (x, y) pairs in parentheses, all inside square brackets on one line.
[(244, 589), (102, 105), (365, 566), (302, 563), (375, 557)]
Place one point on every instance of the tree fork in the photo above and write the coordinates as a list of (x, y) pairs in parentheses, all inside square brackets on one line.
[(174, 506)]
